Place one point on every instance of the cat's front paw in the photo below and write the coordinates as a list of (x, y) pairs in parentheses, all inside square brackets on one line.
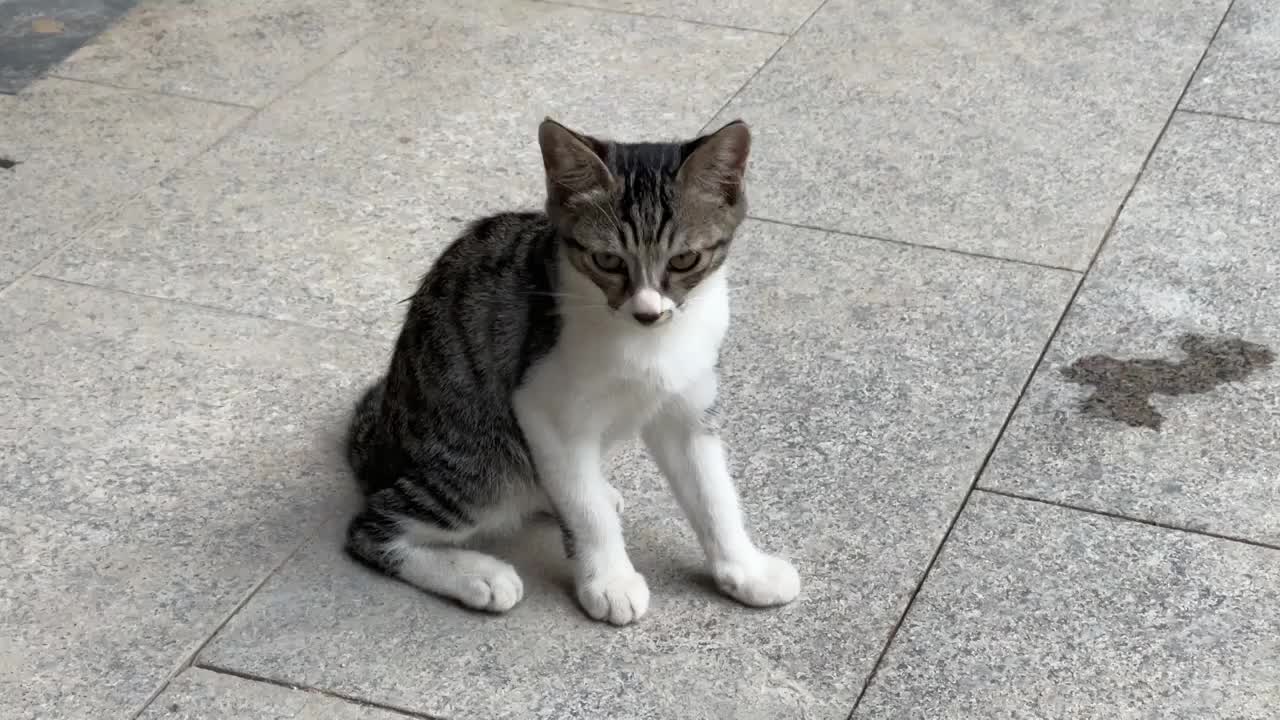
[(494, 587), (759, 581), (620, 598)]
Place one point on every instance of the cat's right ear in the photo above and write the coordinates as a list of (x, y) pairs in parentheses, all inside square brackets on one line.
[(574, 164)]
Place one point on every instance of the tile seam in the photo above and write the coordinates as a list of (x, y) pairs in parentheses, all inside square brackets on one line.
[(232, 312), (344, 697), (1121, 517), (921, 246), (659, 16), (192, 657), (1228, 116), (763, 65), (977, 476)]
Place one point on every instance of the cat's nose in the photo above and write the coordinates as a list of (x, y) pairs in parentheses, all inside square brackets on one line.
[(646, 306)]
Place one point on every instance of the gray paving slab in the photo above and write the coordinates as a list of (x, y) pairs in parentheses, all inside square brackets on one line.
[(331, 203), (1241, 73), (981, 126), (202, 695), (37, 34), (231, 51), (781, 16), (1185, 429), (1039, 612), (158, 461), (72, 150), (846, 356)]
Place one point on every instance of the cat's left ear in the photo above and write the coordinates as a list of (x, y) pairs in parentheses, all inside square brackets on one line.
[(716, 165)]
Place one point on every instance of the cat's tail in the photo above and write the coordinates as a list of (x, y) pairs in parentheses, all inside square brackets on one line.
[(362, 436)]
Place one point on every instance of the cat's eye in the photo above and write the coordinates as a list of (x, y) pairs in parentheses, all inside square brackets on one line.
[(684, 262), (608, 262)]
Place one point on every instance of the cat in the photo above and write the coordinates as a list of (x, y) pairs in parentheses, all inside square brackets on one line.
[(537, 342)]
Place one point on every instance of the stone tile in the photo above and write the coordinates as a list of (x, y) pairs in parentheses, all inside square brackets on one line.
[(240, 51), (1192, 253), (334, 201), (1035, 611), (846, 357), (37, 34), (781, 16), (1241, 73), (158, 461), (105, 146), (202, 695), (1007, 130)]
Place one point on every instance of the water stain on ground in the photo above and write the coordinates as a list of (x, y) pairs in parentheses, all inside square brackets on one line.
[(1123, 388)]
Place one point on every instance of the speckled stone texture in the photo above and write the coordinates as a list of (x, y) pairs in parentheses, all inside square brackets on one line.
[(35, 35), (1241, 73), (157, 462), (845, 357), (1039, 612), (780, 16), (332, 203), (226, 50), (202, 695), (210, 214), (1193, 252), (1008, 129), (76, 149)]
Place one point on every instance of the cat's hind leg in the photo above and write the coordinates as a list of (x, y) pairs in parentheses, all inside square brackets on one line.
[(422, 548)]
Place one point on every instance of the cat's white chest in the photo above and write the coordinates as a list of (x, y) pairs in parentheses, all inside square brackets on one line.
[(607, 376)]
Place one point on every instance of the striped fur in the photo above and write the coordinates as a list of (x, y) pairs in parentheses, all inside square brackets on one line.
[(537, 342)]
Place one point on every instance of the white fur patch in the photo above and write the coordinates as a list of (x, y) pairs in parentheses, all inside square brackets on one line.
[(472, 578), (607, 379)]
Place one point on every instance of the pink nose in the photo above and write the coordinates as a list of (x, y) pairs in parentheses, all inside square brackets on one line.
[(646, 302)]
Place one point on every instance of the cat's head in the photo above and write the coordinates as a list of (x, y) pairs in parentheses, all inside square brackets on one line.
[(645, 222)]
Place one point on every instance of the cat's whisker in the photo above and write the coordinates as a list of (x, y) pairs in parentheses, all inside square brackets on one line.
[(567, 296), (570, 309)]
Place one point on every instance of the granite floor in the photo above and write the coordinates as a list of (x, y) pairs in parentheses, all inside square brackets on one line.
[(1002, 378)]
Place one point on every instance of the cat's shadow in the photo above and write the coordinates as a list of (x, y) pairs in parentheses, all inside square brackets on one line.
[(537, 552)]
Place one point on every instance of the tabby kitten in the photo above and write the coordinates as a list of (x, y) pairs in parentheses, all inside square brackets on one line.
[(537, 343)]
